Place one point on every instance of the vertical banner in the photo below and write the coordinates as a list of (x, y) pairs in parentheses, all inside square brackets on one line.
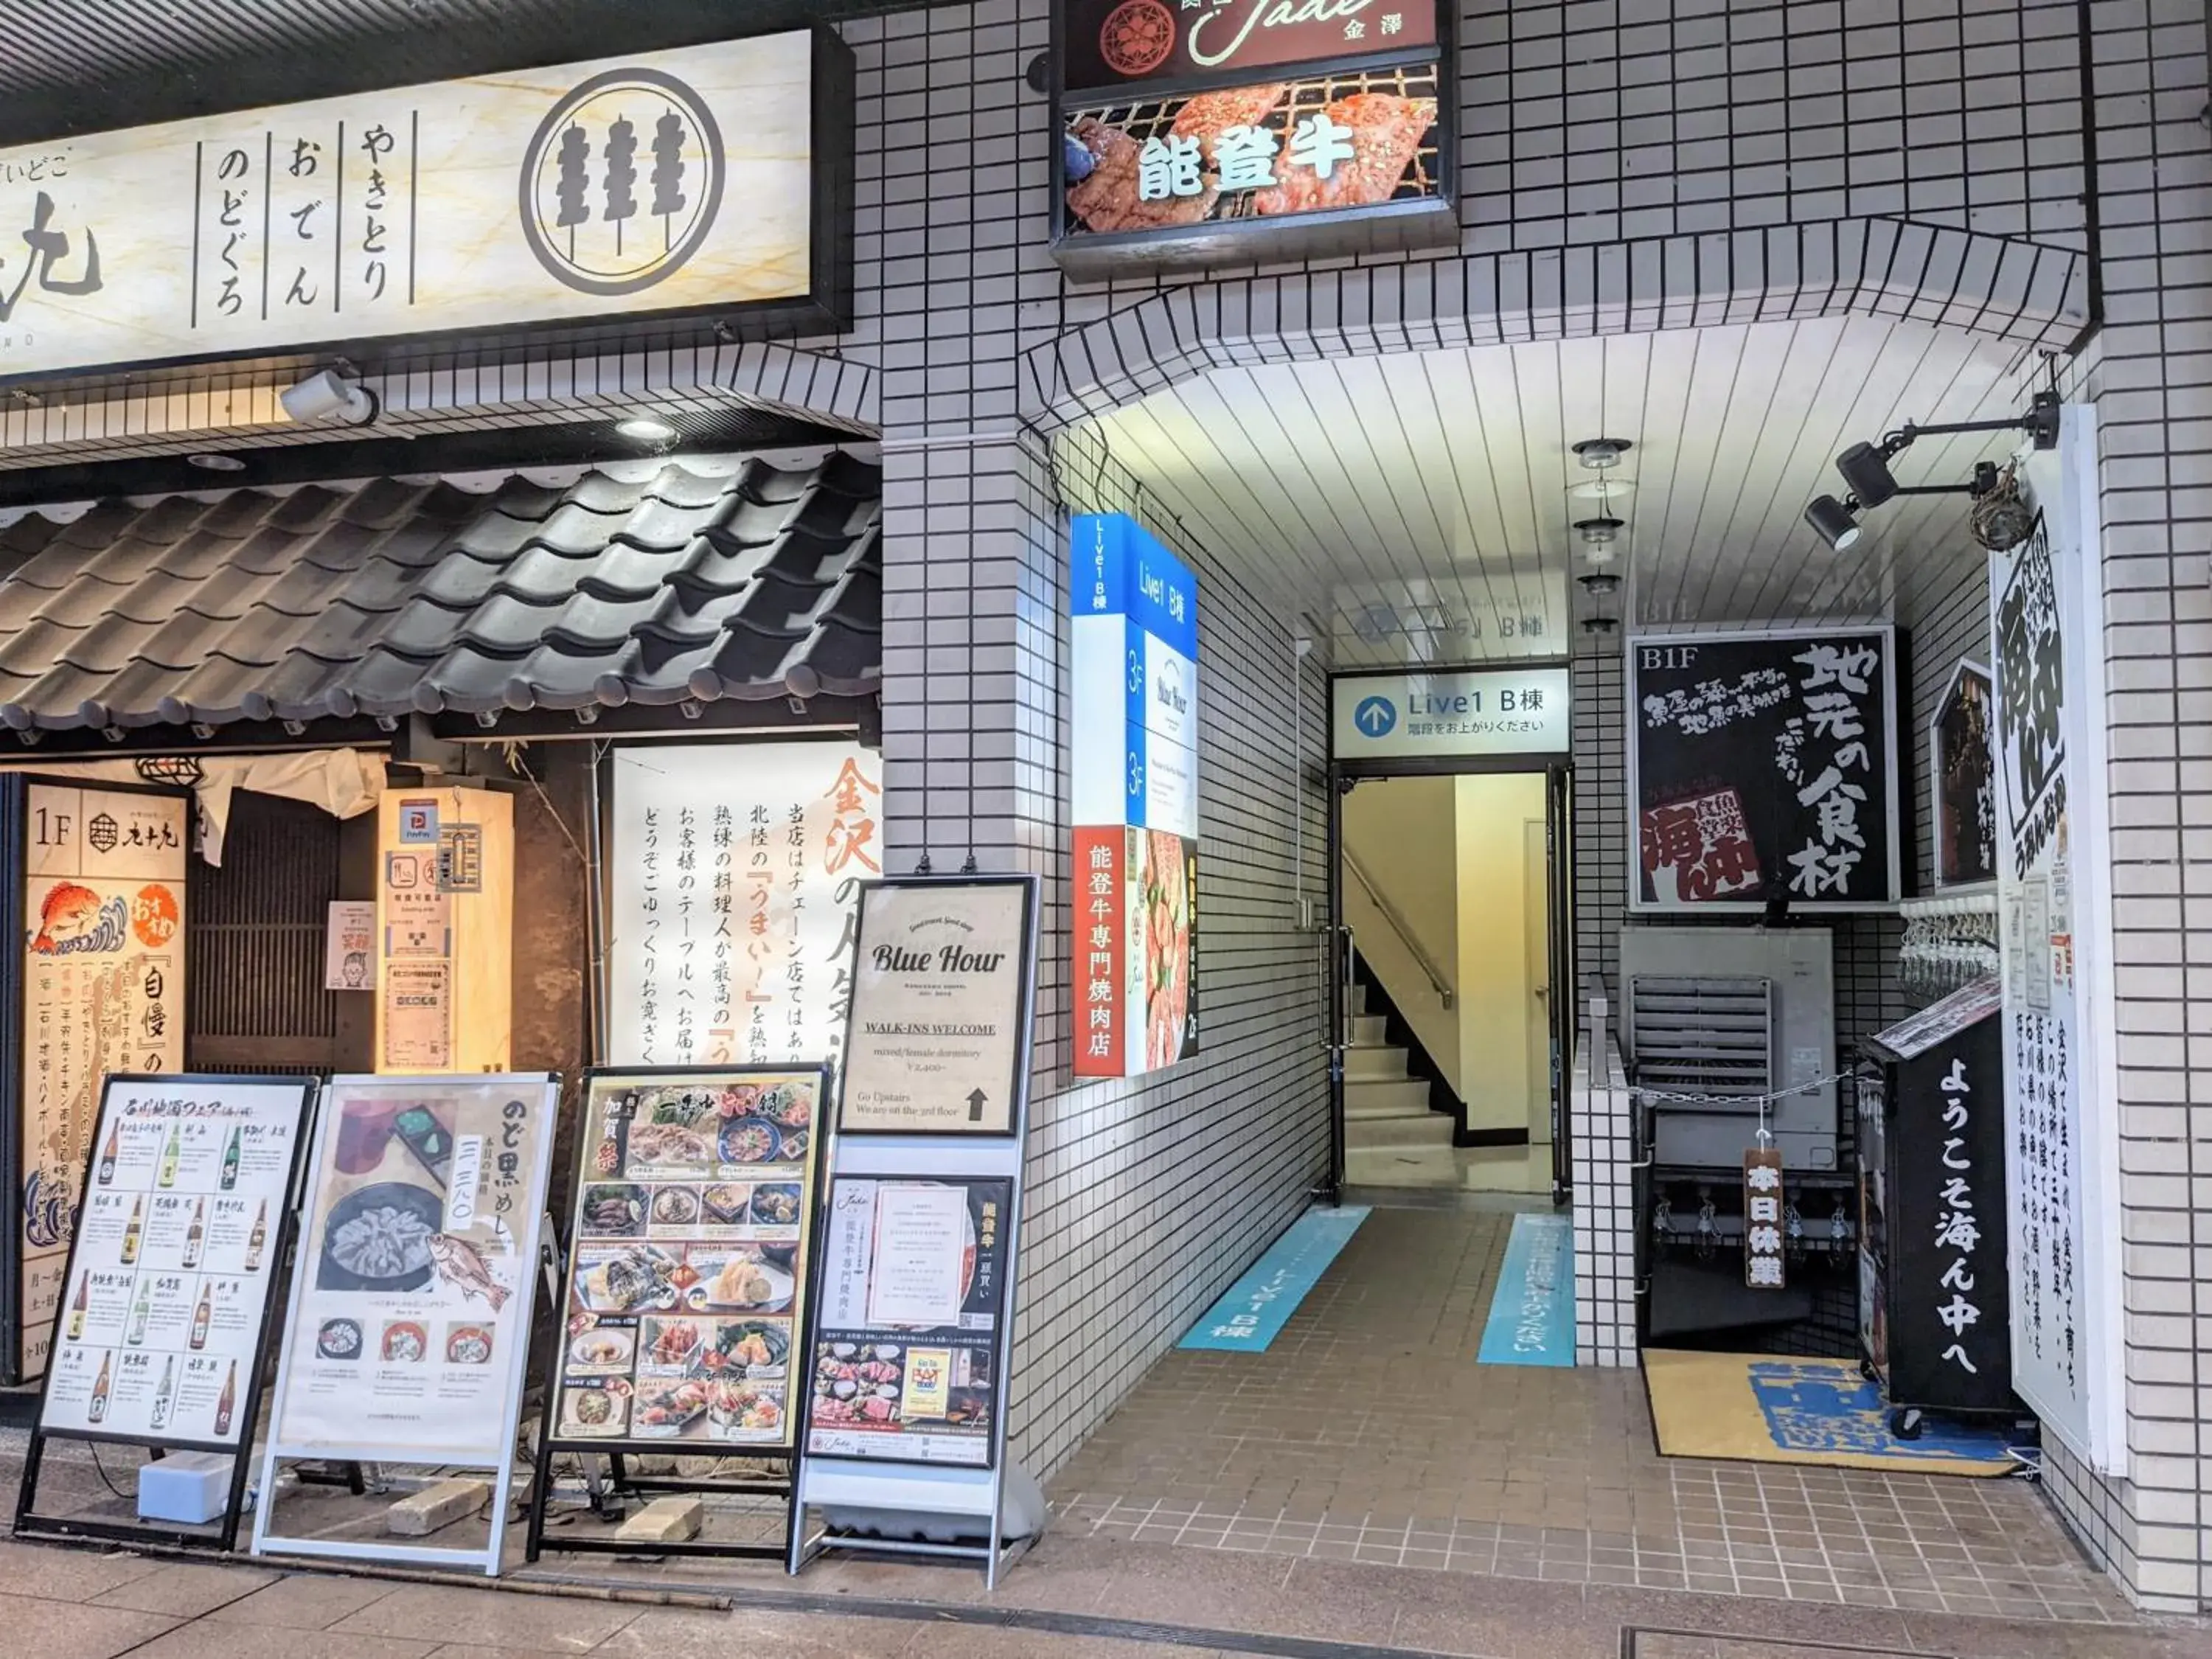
[(2061, 1140), (103, 982), (1134, 766), (736, 869), (1962, 780)]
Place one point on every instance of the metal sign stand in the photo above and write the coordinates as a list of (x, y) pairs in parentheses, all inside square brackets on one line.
[(975, 1495), (605, 1496), (29, 1520)]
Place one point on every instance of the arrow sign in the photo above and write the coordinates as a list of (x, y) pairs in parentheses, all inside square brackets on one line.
[(975, 1106)]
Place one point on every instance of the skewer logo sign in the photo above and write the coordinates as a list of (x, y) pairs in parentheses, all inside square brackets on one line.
[(623, 181)]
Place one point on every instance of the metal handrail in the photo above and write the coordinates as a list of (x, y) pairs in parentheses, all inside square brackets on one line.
[(1441, 986)]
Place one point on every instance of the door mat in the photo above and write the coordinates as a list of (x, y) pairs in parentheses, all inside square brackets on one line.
[(1766, 1410), (1256, 1306), (1532, 1311)]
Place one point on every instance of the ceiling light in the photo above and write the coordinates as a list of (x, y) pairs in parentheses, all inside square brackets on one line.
[(332, 397), (1599, 583), (1598, 453), (647, 430), (1832, 520), (217, 462), (1601, 488), (1599, 624), (1866, 470), (1596, 532)]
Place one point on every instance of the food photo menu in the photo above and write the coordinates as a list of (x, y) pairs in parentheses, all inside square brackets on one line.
[(176, 1246), (688, 1257)]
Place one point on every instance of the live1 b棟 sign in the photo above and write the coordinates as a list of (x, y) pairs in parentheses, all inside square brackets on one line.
[(1472, 714)]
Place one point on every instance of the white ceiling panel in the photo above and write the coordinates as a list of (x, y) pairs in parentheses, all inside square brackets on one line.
[(1417, 507)]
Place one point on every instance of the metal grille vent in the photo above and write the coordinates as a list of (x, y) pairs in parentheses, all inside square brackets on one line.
[(1706, 1035)]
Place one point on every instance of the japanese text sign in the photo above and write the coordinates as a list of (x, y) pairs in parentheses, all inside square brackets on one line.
[(1764, 1243), (1111, 42), (1133, 772), (1405, 716), (652, 182), (1763, 765)]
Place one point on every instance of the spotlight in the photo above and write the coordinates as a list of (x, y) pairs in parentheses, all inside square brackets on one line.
[(330, 395), (1866, 470), (216, 463), (1599, 583), (1596, 532), (1832, 520), (647, 430), (1598, 453)]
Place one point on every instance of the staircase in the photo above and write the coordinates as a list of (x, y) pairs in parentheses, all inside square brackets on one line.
[(1389, 1133)]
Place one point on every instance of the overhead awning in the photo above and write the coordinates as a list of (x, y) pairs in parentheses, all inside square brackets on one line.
[(702, 581)]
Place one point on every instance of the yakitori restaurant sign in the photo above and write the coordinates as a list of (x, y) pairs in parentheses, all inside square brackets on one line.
[(651, 183)]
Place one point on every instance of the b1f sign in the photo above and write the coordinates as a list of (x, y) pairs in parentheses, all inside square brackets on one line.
[(1134, 776), (1458, 716)]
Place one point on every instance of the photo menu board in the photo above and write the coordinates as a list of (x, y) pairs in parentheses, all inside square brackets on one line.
[(411, 1293), (170, 1274), (906, 1360), (690, 1247)]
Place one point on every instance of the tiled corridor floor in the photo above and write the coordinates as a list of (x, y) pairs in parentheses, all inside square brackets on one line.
[(1368, 1433)]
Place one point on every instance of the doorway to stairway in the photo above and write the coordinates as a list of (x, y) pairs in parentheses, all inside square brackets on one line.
[(1454, 979)]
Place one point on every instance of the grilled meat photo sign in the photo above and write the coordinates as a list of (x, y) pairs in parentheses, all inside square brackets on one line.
[(1199, 132)]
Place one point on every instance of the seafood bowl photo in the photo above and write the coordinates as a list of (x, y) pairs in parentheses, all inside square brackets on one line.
[(640, 1279), (595, 1409), (674, 1206), (602, 1349), (468, 1345), (612, 1209), (775, 1204), (405, 1343), (338, 1339), (726, 1202), (378, 1238), (747, 1140)]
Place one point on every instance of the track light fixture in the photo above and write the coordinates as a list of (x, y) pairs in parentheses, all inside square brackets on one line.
[(1599, 583), (1598, 453), (1598, 532), (1865, 468)]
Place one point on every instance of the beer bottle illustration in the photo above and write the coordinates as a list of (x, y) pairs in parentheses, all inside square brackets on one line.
[(109, 1152), (258, 1238), (167, 1176), (98, 1409), (77, 1307), (223, 1406), (163, 1394), (136, 1334), (132, 1230), (196, 1235), (230, 1162), (200, 1316)]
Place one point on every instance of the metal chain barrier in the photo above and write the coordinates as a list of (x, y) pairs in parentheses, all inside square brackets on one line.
[(1740, 1102)]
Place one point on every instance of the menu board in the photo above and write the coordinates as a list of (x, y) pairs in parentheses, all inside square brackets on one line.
[(914, 1289), (940, 1006), (411, 1293), (695, 1211), (175, 1252), (103, 991)]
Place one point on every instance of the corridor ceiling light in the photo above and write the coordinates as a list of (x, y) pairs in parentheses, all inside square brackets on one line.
[(1599, 583), (647, 430), (1596, 532), (1831, 520), (330, 397), (1599, 624), (216, 463), (1600, 490), (1598, 453)]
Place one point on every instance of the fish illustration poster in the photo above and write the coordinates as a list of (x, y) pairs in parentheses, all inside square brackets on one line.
[(103, 967), (417, 1264)]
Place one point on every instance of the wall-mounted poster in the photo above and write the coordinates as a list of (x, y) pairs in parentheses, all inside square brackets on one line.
[(1762, 765), (100, 910), (905, 1366), (1964, 785), (689, 1260), (735, 879), (417, 1269), (940, 1006)]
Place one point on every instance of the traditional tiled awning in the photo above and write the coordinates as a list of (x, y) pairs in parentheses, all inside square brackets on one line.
[(705, 580)]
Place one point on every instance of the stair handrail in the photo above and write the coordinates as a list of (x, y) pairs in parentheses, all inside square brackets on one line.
[(1437, 983)]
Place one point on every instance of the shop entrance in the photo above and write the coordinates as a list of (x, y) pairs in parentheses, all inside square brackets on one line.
[(1451, 900)]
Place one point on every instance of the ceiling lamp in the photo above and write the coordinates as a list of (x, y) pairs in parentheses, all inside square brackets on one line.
[(216, 463), (1599, 583), (1833, 521), (644, 429), (1599, 454), (1600, 531)]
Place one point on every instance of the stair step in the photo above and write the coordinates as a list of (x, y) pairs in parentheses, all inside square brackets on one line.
[(1377, 1099), (1380, 1063), (1370, 1031), (1429, 1129)]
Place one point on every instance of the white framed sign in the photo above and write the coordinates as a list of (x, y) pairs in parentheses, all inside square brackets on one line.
[(1472, 714), (650, 182)]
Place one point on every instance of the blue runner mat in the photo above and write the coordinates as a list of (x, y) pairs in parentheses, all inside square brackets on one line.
[(1257, 1306), (1532, 1315)]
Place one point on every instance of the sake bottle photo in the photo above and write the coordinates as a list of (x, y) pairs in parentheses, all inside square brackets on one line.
[(132, 1231), (98, 1409), (229, 1400), (230, 1162), (167, 1176), (136, 1334), (77, 1307), (164, 1393), (258, 1238), (200, 1316), (109, 1153), (196, 1235)]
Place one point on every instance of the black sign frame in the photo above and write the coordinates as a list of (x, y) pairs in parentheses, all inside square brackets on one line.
[(29, 1522), (1886, 816)]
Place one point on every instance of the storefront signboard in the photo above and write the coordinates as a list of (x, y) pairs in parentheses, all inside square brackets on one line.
[(2054, 900), (1762, 765), (649, 182), (690, 1250), (1472, 714), (937, 1028), (1963, 781), (1114, 43), (171, 1271), (1133, 766), (413, 1285), (99, 898), (905, 1366), (733, 902)]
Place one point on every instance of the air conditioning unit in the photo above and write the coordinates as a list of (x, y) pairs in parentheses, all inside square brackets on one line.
[(1731, 1014)]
